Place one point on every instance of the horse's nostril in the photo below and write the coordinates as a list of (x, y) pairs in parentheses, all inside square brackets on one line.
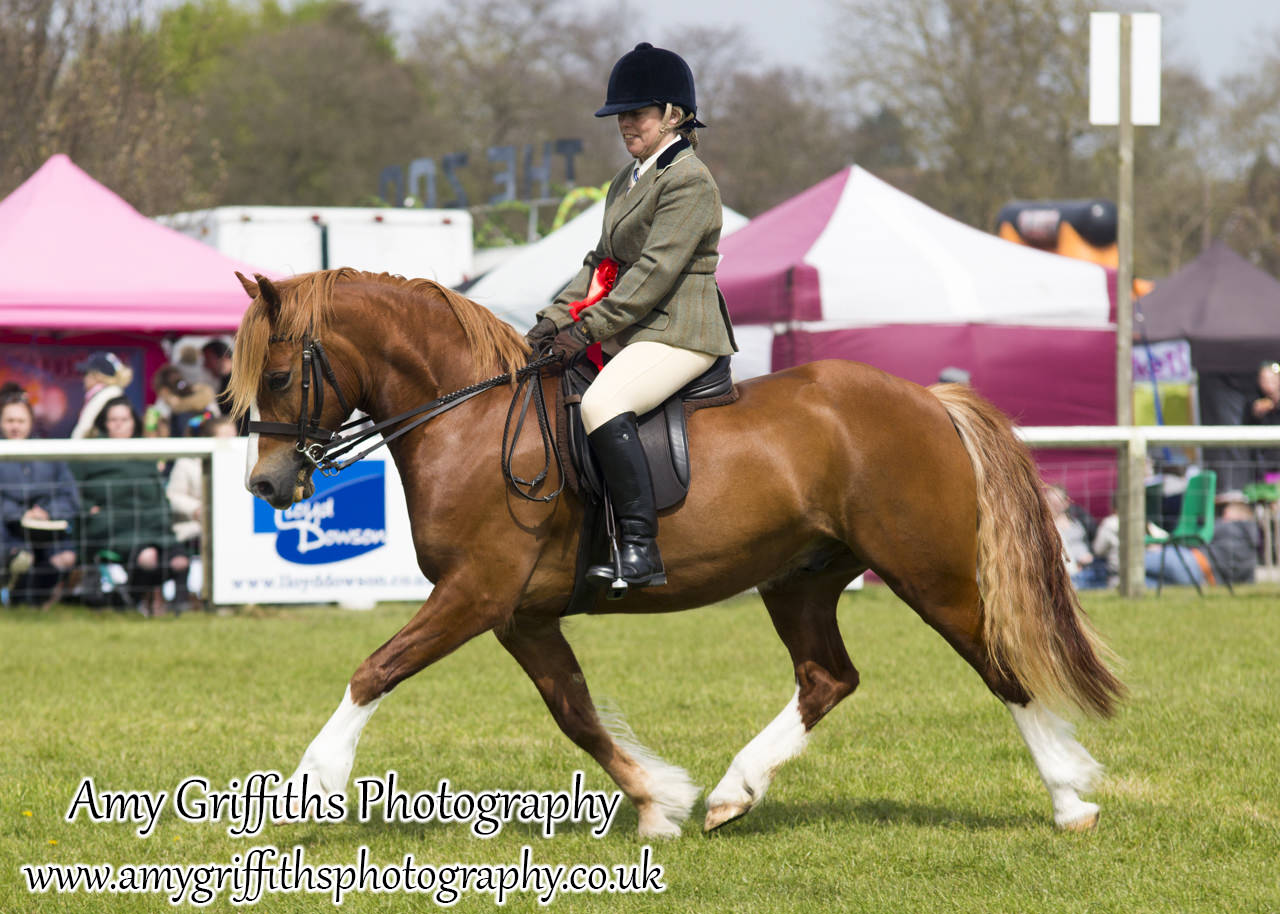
[(262, 488)]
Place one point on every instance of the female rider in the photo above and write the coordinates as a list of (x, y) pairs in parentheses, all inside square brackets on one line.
[(664, 322)]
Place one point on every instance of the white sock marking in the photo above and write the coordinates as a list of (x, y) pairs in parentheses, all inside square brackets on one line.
[(1065, 766), (753, 769), (671, 791), (332, 753)]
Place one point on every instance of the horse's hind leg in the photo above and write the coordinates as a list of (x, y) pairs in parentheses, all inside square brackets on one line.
[(803, 611), (950, 604), (662, 793)]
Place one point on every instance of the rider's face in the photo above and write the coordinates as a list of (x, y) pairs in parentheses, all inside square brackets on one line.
[(641, 131)]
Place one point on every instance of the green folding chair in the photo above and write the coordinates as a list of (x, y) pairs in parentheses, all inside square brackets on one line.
[(1194, 528)]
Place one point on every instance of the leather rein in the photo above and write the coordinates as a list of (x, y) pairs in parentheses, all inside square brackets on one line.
[(327, 448)]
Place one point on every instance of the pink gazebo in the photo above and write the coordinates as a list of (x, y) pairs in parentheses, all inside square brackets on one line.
[(75, 256), (853, 268), (82, 270)]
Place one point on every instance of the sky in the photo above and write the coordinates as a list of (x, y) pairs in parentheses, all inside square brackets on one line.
[(1213, 37)]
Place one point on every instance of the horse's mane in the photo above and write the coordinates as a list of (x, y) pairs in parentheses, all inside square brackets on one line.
[(306, 305)]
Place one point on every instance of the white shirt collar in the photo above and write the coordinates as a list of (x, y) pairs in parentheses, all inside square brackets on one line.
[(648, 163)]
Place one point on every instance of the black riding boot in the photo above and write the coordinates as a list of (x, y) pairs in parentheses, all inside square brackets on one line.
[(617, 447)]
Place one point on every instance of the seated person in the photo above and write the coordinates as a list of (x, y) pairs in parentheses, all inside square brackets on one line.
[(126, 514), (1086, 572), (38, 500), (186, 495), (1234, 544), (1236, 539)]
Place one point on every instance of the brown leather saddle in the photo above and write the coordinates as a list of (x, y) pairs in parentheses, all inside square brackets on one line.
[(665, 436), (663, 431)]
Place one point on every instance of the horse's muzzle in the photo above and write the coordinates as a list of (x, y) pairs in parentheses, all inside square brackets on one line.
[(281, 493)]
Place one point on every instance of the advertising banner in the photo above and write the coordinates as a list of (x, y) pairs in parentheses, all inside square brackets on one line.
[(54, 386), (349, 543), (1167, 363)]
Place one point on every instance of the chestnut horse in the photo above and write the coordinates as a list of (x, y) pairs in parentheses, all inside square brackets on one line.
[(814, 475)]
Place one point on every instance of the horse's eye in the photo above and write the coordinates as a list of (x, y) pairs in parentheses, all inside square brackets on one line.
[(278, 380)]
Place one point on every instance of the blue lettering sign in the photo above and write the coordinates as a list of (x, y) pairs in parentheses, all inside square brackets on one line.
[(346, 517), (417, 186)]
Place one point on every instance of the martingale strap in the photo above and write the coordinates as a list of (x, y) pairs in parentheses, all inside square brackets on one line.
[(325, 447)]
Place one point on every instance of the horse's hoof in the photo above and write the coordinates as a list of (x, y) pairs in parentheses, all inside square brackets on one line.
[(723, 814), (1087, 822)]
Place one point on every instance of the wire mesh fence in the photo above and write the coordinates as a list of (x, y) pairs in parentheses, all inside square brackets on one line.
[(131, 541), (114, 532)]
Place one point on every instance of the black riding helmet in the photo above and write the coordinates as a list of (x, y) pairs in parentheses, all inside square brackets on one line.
[(650, 76)]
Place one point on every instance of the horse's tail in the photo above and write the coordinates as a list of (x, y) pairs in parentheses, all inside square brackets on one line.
[(1033, 625)]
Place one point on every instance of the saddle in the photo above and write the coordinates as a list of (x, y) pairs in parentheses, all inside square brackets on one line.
[(663, 431), (665, 437)]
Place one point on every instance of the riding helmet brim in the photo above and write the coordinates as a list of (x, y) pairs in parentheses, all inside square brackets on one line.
[(632, 104)]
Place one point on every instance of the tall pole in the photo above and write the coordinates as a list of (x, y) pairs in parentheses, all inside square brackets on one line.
[(1132, 460)]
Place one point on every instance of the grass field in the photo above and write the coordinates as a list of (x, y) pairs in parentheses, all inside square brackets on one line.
[(916, 795)]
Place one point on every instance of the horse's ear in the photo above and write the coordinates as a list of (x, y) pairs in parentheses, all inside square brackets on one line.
[(250, 287), (270, 294)]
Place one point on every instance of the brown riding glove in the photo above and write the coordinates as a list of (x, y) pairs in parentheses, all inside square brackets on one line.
[(568, 343), (540, 334)]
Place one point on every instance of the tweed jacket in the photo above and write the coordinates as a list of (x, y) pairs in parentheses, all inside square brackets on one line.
[(663, 234)]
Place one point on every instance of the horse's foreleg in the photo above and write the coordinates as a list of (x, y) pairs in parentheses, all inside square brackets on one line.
[(446, 621), (804, 615), (662, 793)]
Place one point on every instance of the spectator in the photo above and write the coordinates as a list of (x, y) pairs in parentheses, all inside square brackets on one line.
[(1234, 545), (126, 515), (186, 497), (1236, 539), (1188, 571), (190, 362), (217, 362), (180, 400), (1264, 409), (1086, 573), (38, 500), (105, 378)]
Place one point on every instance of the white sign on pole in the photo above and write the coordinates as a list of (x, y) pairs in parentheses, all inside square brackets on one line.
[(349, 543), (1104, 69), (1144, 48)]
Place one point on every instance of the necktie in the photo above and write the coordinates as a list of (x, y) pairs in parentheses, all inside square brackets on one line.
[(635, 176)]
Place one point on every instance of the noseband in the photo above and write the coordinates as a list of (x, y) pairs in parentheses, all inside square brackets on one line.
[(323, 446)]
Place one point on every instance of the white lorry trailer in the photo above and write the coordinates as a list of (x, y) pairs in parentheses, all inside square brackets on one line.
[(416, 243)]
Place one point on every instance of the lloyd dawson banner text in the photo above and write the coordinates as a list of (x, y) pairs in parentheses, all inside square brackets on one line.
[(264, 797)]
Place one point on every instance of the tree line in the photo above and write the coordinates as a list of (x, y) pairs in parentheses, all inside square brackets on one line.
[(966, 104)]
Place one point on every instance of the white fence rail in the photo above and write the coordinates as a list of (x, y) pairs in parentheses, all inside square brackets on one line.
[(1130, 443)]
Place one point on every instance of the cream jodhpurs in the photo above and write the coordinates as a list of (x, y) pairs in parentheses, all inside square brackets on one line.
[(639, 378)]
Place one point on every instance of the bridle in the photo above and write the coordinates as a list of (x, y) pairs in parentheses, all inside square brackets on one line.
[(326, 448), (316, 370)]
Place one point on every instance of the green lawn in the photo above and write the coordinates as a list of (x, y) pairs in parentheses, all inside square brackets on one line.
[(916, 795)]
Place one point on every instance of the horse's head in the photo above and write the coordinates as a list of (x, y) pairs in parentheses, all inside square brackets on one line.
[(278, 380)]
